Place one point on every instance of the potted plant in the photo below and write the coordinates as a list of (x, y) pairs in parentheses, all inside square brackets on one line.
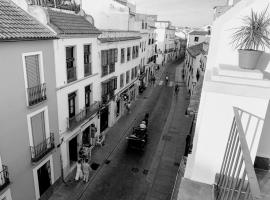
[(251, 38)]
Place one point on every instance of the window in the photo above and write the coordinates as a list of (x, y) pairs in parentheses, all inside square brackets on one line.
[(71, 104), (127, 76), (128, 53), (142, 24), (145, 25), (38, 128), (133, 52), (137, 51), (36, 88), (87, 90), (109, 86), (122, 55), (108, 60), (136, 71), (71, 69), (122, 80), (196, 39), (132, 73), (87, 60)]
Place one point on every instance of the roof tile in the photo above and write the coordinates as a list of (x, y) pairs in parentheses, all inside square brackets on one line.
[(16, 24), (70, 24)]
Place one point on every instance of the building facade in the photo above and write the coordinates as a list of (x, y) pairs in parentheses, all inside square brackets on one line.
[(77, 80), (166, 44), (119, 64), (195, 62), (145, 24), (197, 37), (30, 159)]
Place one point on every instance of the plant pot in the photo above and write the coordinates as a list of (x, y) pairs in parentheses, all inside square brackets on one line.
[(248, 59)]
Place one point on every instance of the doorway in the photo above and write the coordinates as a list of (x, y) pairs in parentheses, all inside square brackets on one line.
[(86, 136), (44, 177), (73, 151), (104, 118)]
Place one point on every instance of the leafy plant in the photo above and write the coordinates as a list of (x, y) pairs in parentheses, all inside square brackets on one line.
[(254, 33)]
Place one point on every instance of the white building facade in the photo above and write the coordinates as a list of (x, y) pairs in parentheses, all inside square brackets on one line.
[(77, 80)]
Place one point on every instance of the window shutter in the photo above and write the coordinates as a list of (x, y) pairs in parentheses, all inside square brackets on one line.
[(32, 70)]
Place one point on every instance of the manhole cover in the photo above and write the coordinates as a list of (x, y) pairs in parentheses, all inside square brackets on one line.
[(177, 164), (145, 171), (166, 137), (95, 166), (135, 170), (107, 161)]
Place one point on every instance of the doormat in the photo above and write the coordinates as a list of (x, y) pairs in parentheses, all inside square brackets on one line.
[(95, 166)]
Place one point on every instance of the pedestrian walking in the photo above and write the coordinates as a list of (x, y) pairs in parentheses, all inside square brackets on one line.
[(128, 107), (79, 173), (154, 80), (86, 170), (176, 89)]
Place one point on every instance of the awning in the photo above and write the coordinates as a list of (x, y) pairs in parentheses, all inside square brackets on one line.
[(195, 97)]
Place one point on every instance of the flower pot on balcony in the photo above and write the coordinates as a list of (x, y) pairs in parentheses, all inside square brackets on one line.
[(248, 59)]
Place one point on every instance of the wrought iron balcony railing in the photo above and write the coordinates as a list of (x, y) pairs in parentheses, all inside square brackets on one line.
[(4, 178), (40, 150), (36, 94), (84, 114), (71, 74), (237, 179)]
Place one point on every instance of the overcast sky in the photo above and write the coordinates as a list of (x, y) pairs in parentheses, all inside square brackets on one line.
[(194, 13)]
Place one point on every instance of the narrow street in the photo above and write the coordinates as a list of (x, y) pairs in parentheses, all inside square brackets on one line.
[(126, 174)]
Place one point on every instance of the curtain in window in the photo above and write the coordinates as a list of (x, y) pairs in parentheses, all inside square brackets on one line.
[(38, 128)]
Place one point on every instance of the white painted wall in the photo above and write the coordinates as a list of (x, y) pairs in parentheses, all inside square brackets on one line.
[(107, 14), (63, 89), (212, 130), (216, 107)]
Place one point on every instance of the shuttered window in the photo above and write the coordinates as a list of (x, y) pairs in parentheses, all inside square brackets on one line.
[(32, 70), (38, 128)]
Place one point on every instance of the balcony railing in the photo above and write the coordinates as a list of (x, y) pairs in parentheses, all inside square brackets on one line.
[(56, 4), (87, 69), (36, 94), (71, 74), (40, 150), (237, 179), (107, 97), (84, 114), (4, 178)]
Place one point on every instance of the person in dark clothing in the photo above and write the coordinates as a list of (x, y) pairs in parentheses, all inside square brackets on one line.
[(188, 140)]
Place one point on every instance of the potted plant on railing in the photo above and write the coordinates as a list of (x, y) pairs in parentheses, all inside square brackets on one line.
[(251, 38)]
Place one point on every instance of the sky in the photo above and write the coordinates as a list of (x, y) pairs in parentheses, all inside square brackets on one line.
[(192, 13)]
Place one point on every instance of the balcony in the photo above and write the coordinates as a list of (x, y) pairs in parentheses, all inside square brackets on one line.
[(84, 114), (107, 97), (4, 178), (60, 4), (40, 150), (36, 94), (71, 74), (237, 179)]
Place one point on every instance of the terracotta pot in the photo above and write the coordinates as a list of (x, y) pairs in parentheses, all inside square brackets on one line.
[(248, 59)]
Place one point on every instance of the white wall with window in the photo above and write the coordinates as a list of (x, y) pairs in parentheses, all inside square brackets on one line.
[(33, 76)]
